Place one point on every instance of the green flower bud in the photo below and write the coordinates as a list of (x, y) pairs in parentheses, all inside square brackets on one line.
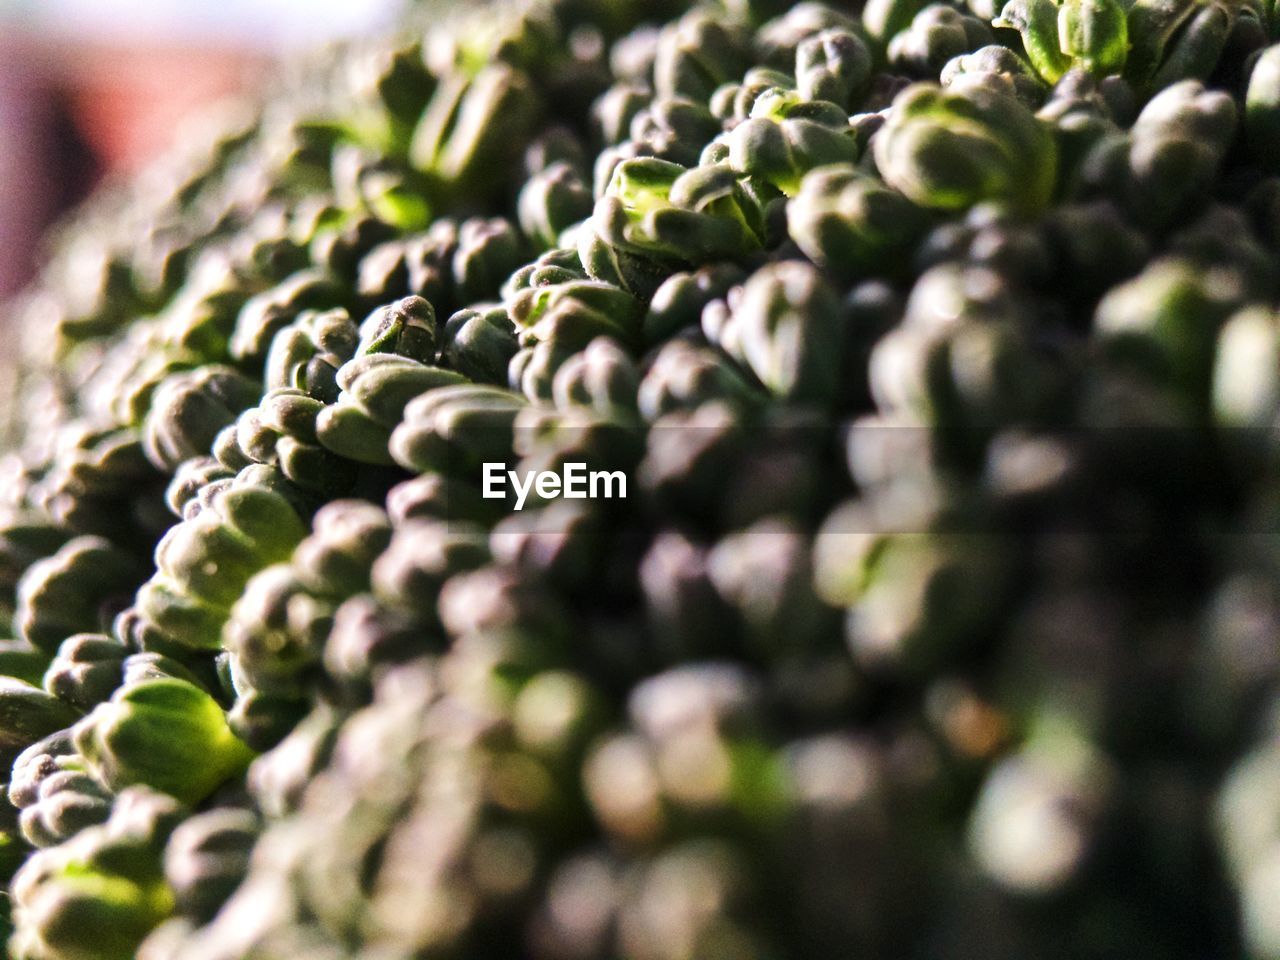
[(789, 327), (657, 207), (683, 376), (1060, 35), (471, 125), (262, 720), (434, 496), (488, 252), (1164, 325), (22, 661), (365, 181), (455, 429), (206, 858), (346, 537), (638, 275), (100, 894), (953, 150), (551, 201), (1196, 48), (885, 19), (834, 65), (306, 355), (1004, 64), (166, 734), (601, 377), (204, 562), (373, 403), (54, 795), (73, 591), (696, 54), (936, 35), (615, 110), (406, 328), (1262, 110), (266, 314), (778, 40), (421, 557), (275, 632), (349, 432), (86, 670), (1246, 377), (337, 248), (190, 408), (571, 314), (367, 638), (28, 714), (786, 137), (677, 304), (479, 343), (842, 219)]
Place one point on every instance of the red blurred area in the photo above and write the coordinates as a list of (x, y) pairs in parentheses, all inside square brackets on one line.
[(73, 112)]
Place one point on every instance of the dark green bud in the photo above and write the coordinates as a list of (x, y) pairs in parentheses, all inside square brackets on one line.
[(1196, 49), (22, 661), (677, 304), (86, 670), (834, 65), (421, 557), (166, 734), (1262, 110), (785, 138), (28, 714), (1004, 64), (102, 892), (268, 313), (382, 390), (434, 496), (788, 327), (56, 797), (488, 252), (696, 54), (74, 591), (206, 858), (616, 108), (455, 429), (306, 355), (551, 201), (262, 720), (601, 378), (190, 408), (346, 537), (683, 376), (657, 207), (951, 150), (843, 220), (479, 343), (885, 19), (936, 35), (1164, 324), (196, 474), (369, 637), (471, 126), (406, 328), (275, 632)]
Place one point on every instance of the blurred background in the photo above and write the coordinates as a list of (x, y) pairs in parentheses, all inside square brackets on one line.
[(96, 88)]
